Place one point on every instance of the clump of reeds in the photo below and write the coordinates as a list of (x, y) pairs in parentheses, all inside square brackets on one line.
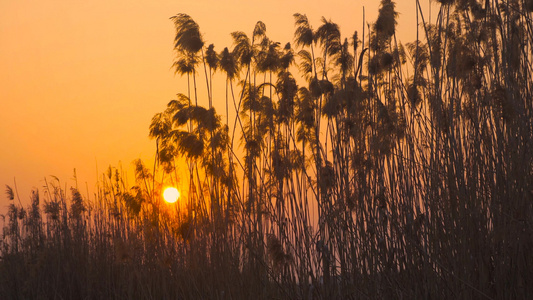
[(383, 171)]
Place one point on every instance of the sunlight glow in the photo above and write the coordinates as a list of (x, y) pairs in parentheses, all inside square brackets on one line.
[(171, 195)]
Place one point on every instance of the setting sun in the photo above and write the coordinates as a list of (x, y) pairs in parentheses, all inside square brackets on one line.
[(171, 195)]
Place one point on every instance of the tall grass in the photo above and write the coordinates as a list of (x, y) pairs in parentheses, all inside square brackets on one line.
[(383, 171)]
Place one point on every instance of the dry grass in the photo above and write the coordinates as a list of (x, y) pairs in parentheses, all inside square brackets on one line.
[(389, 172)]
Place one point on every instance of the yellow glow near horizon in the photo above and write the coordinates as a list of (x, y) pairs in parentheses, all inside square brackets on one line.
[(171, 195)]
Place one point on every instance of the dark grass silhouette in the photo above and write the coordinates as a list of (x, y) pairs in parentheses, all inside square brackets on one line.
[(380, 170)]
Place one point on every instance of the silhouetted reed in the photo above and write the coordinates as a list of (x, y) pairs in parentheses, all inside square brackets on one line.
[(383, 171)]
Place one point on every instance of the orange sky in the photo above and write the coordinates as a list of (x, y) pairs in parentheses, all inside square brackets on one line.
[(81, 80)]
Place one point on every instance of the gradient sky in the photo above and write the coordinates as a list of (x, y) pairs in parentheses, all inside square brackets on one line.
[(81, 80)]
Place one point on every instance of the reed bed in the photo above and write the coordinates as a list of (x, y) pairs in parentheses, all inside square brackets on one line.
[(340, 167)]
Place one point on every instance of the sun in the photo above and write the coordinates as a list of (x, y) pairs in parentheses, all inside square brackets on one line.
[(171, 194)]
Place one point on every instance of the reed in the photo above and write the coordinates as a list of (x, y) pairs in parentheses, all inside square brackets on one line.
[(347, 169)]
